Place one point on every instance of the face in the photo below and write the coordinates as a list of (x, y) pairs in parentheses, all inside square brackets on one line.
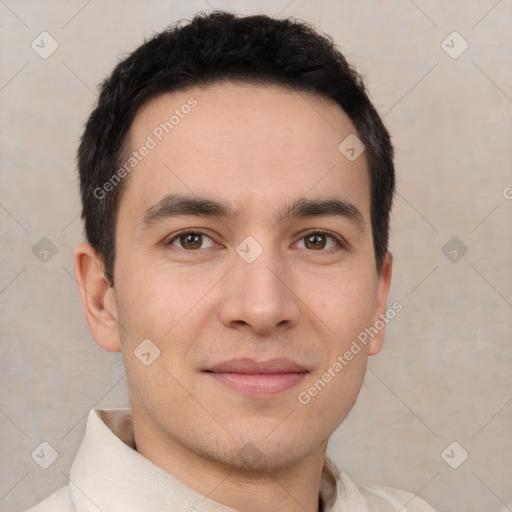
[(244, 253)]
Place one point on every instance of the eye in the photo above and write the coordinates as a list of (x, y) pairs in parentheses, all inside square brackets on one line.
[(319, 241), (190, 240)]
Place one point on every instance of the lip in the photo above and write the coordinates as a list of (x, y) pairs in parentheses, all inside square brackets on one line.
[(250, 366), (258, 378)]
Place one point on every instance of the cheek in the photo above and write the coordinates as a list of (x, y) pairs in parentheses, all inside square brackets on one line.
[(346, 306), (150, 299), (346, 310), (163, 305), (153, 307)]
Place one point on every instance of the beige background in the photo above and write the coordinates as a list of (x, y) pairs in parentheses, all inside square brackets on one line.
[(445, 373)]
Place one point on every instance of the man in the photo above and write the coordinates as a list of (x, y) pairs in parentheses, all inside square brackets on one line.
[(236, 187)]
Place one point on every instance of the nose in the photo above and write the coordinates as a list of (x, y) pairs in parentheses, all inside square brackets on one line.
[(260, 295)]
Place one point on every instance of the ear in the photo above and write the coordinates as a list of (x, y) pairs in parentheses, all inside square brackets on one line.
[(383, 284), (97, 298)]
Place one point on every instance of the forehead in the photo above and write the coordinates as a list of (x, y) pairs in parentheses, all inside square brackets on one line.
[(246, 144)]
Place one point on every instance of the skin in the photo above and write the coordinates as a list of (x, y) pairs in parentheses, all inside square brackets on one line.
[(254, 147)]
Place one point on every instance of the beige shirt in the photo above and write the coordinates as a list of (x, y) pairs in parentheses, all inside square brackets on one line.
[(109, 475)]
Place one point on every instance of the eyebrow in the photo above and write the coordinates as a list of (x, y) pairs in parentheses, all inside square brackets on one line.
[(175, 205)]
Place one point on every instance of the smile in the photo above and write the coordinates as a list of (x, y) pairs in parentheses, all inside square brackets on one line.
[(253, 378)]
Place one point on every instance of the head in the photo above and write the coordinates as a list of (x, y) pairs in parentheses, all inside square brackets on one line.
[(225, 221)]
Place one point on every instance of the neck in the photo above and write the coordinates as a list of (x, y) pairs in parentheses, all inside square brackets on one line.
[(291, 489)]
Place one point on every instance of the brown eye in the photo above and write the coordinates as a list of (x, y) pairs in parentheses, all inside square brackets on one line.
[(315, 241), (318, 241), (190, 240)]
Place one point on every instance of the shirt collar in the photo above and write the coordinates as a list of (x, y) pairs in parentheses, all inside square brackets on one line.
[(108, 470)]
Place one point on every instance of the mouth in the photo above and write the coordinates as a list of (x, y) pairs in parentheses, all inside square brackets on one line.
[(258, 378)]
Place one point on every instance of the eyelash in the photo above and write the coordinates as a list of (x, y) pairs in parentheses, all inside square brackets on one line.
[(340, 241)]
